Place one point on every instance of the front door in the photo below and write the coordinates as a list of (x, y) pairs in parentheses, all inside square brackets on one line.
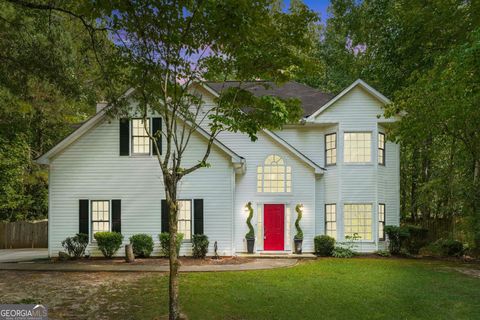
[(274, 216)]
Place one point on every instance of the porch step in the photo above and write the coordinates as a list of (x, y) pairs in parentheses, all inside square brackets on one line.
[(277, 255)]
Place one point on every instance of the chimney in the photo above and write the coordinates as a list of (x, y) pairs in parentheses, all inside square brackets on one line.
[(101, 105)]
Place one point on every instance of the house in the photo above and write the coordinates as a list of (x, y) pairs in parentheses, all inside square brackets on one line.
[(336, 163)]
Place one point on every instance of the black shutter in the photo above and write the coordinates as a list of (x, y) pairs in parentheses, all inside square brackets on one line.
[(83, 216), (198, 216), (157, 125), (124, 137), (165, 218), (117, 215)]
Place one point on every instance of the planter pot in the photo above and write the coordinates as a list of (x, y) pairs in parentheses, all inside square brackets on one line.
[(250, 244), (298, 245)]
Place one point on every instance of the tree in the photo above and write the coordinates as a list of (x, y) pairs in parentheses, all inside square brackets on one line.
[(49, 80), (169, 48)]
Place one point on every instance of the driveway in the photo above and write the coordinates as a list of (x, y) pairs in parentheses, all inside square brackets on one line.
[(15, 255)]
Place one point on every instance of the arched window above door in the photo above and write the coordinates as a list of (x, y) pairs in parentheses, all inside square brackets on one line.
[(274, 176)]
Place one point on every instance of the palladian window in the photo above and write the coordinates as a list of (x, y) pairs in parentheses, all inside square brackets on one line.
[(274, 176)]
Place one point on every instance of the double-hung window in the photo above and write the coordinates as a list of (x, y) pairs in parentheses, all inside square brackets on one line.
[(381, 148), (100, 216), (330, 149), (331, 220), (185, 219), (140, 139), (381, 221), (358, 220), (357, 147)]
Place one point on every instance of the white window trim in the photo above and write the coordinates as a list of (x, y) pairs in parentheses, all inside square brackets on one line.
[(372, 216), (384, 150), (263, 193), (336, 219), (191, 220), (325, 148), (90, 220), (369, 163), (140, 155)]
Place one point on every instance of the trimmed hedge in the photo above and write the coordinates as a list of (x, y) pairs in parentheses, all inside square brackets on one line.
[(200, 245), (164, 238), (324, 245), (108, 242), (142, 245)]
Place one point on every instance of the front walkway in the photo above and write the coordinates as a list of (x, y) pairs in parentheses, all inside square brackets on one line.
[(28, 254), (255, 264)]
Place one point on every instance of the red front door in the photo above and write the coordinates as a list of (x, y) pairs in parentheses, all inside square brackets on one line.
[(274, 227)]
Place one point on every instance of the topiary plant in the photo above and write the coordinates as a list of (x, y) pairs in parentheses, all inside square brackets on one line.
[(251, 233), (299, 235)]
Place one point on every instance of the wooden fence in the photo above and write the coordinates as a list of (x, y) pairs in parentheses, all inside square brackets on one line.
[(24, 234)]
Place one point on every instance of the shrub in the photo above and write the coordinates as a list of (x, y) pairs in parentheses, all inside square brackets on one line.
[(108, 242), (416, 239), (76, 245), (396, 237), (342, 252), (383, 253), (142, 245), (324, 245), (450, 247), (200, 245), (164, 238)]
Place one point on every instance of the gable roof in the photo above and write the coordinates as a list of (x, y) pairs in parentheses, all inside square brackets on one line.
[(318, 169), (359, 83), (310, 98), (238, 160)]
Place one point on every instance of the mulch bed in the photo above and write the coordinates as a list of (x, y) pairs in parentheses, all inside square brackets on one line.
[(185, 261)]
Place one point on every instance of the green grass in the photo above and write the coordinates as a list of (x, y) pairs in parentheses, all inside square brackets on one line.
[(321, 289)]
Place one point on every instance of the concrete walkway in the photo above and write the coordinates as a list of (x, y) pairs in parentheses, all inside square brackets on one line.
[(16, 255), (255, 264)]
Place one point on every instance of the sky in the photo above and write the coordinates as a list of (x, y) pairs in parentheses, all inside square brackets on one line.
[(319, 6)]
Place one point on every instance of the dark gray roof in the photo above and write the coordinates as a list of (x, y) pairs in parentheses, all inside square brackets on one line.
[(312, 99)]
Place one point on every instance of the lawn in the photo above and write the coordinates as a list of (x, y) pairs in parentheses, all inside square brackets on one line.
[(360, 288), (327, 289)]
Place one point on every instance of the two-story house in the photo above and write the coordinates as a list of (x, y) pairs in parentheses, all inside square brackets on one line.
[(336, 162)]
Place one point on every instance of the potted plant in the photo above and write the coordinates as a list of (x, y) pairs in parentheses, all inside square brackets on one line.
[(298, 238), (250, 236)]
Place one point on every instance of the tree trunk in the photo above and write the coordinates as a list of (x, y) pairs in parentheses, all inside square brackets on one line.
[(171, 195)]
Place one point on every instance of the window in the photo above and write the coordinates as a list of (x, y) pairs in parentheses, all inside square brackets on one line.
[(358, 219), (185, 218), (140, 139), (381, 221), (381, 148), (274, 176), (331, 220), (100, 216), (357, 147), (330, 149)]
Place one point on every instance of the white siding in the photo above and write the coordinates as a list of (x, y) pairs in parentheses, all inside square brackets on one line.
[(91, 168), (303, 189)]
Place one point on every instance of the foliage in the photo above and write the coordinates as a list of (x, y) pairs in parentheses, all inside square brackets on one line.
[(346, 249), (76, 245), (396, 237), (342, 252), (200, 245), (164, 238), (142, 245), (324, 245), (108, 242), (383, 253), (299, 234), (444, 248), (251, 232), (417, 238)]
